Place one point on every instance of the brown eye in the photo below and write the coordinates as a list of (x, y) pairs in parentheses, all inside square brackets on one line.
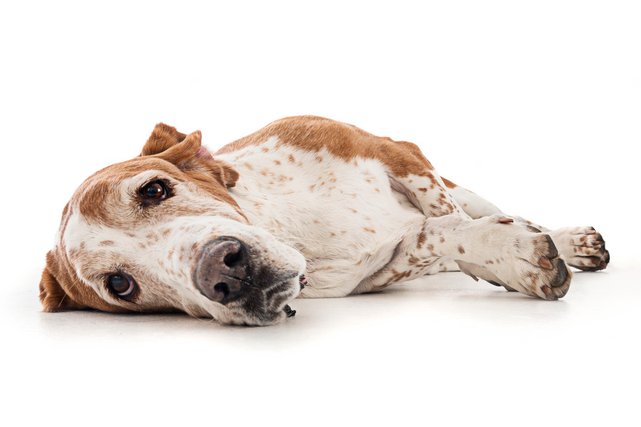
[(154, 191), (121, 284)]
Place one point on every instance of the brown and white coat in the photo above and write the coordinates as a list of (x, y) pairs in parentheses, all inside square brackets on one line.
[(230, 235)]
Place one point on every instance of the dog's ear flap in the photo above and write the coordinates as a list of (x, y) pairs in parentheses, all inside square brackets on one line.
[(162, 138), (53, 296), (186, 152), (168, 144)]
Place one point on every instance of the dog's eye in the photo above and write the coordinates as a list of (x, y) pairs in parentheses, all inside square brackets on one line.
[(121, 284), (154, 191)]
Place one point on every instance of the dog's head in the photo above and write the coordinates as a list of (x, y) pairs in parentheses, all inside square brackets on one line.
[(160, 233)]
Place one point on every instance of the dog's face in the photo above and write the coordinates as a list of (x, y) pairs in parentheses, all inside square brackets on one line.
[(160, 233)]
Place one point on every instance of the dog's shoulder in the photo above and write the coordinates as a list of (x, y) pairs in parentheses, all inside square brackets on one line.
[(341, 140)]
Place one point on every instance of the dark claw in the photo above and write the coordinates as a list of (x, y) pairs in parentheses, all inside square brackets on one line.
[(288, 311)]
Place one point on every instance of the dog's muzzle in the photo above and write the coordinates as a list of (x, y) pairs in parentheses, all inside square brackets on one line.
[(225, 270)]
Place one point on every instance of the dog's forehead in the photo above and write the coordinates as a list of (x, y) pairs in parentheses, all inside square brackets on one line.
[(109, 185)]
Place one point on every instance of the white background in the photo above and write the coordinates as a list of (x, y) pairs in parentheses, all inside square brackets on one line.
[(534, 105)]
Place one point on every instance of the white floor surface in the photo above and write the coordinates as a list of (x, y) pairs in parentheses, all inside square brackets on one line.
[(442, 350)]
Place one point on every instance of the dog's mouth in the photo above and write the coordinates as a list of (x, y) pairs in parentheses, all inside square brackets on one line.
[(287, 309)]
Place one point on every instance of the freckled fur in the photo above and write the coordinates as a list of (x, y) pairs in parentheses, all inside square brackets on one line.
[(365, 229)]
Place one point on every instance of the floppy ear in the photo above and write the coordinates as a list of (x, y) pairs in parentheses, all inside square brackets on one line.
[(53, 297), (162, 138), (186, 152)]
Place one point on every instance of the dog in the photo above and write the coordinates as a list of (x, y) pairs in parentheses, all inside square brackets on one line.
[(305, 207)]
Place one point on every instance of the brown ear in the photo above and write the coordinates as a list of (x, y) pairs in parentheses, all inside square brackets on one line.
[(53, 297), (186, 152), (162, 138)]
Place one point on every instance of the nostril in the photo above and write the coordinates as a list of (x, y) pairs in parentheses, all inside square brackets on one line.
[(231, 259), (222, 288)]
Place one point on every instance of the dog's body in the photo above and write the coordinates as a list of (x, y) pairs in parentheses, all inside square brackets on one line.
[(231, 235)]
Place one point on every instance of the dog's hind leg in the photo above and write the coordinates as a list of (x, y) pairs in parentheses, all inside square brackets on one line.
[(494, 248), (581, 247)]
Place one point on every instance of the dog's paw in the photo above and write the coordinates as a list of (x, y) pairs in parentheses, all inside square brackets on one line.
[(538, 268), (529, 263), (582, 247)]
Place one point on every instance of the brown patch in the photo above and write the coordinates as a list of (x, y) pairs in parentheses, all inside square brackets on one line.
[(290, 158), (422, 238), (277, 162), (424, 190), (461, 249), (310, 133), (448, 183), (442, 240), (369, 230), (107, 243)]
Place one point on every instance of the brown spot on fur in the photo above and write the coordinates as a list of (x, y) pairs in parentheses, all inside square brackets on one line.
[(442, 240), (106, 243), (461, 249), (291, 159), (424, 190), (448, 183), (422, 238), (369, 230), (277, 162), (310, 133)]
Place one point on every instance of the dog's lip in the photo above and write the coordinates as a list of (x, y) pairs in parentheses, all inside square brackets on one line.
[(288, 311)]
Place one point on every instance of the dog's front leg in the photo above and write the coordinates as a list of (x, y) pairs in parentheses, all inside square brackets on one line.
[(495, 248)]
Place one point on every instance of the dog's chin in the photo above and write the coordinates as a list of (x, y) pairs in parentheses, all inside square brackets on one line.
[(258, 310)]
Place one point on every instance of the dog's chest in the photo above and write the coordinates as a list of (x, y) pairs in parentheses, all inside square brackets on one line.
[(327, 208)]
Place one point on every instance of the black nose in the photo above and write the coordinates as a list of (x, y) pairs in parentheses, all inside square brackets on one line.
[(223, 270)]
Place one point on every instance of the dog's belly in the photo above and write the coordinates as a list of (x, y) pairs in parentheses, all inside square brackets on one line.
[(340, 215)]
